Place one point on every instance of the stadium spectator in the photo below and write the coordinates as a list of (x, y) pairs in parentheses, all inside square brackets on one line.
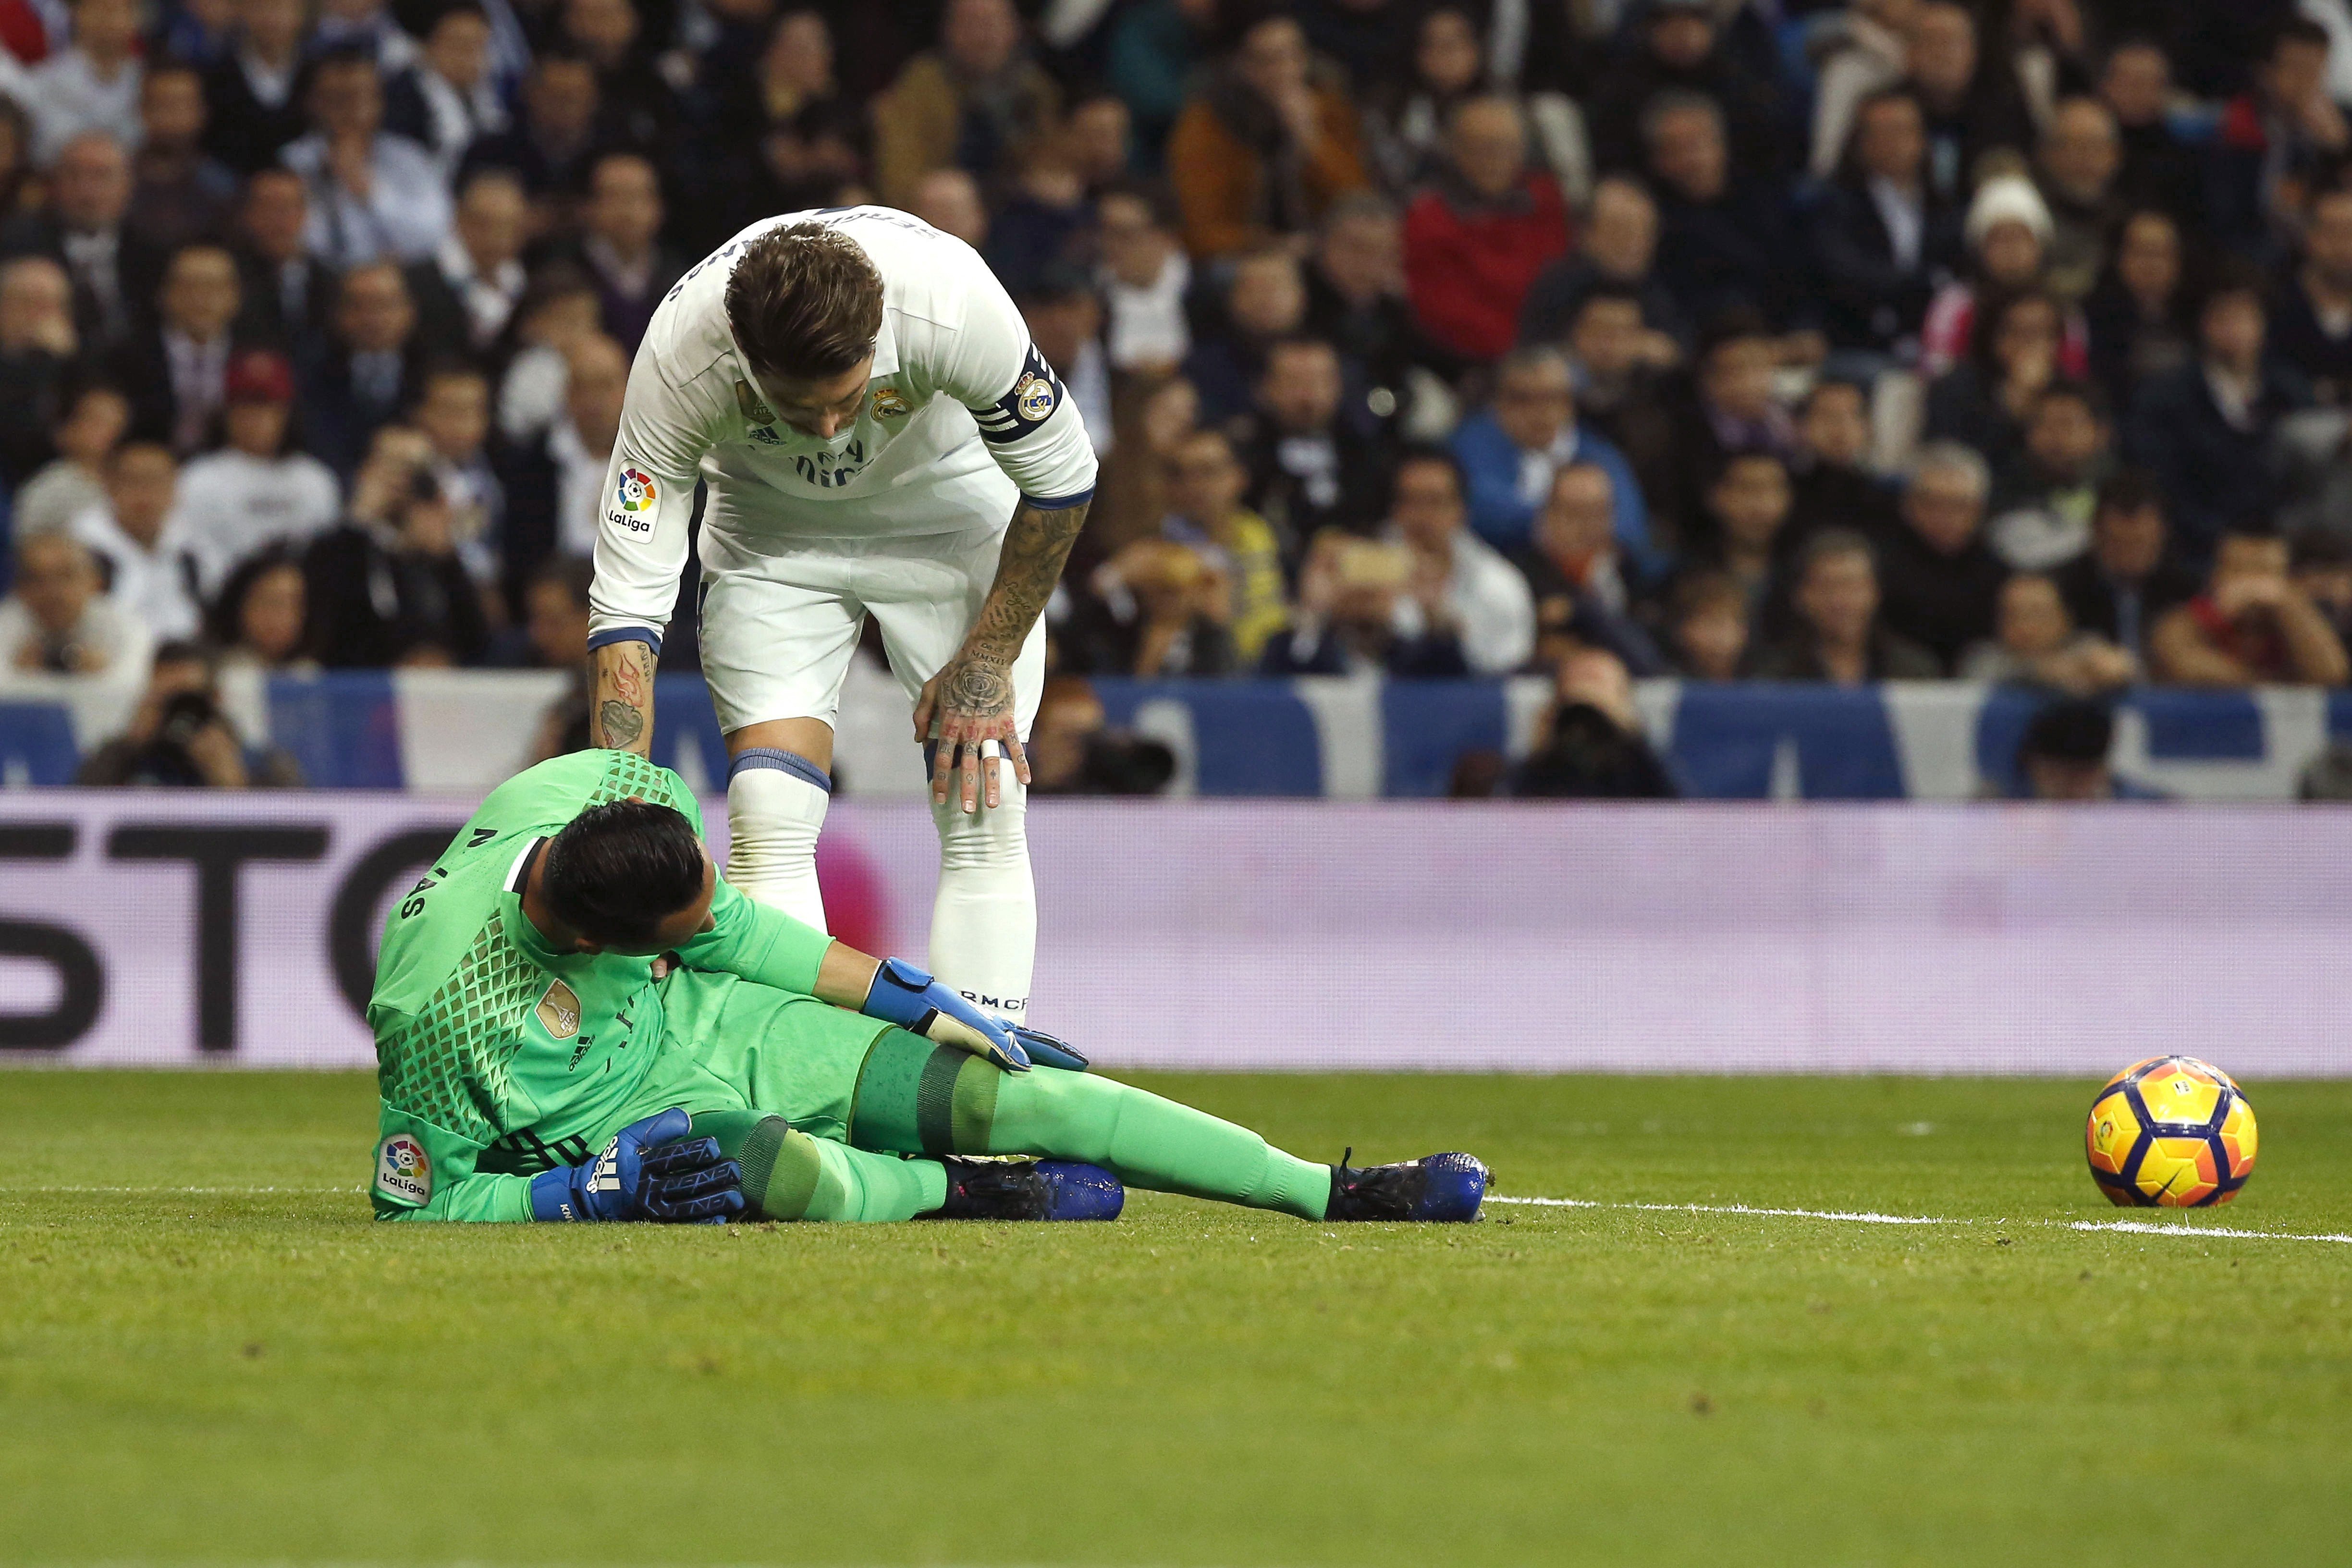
[(640, 108), (1261, 153), (1356, 298), (359, 381), (448, 100), (1510, 450), (2322, 566), (807, 137), (1882, 239), (289, 294), (258, 489), (1156, 611), (91, 84), (1939, 579), (552, 486), (179, 193), (373, 196), (1043, 221), (1838, 637), (1475, 240), (2206, 431), (1573, 573), (971, 103), (386, 586), (1735, 409), (2254, 624), (177, 369), (1618, 250), (559, 310), (260, 620), (37, 347), (1831, 483), (553, 633), (143, 540), (114, 273), (2063, 755), (1676, 49), (1627, 395), (2275, 141), (1265, 302), (1708, 625), (2141, 315), (2035, 643), (1592, 747), (2043, 502), (95, 419), (2127, 580), (1747, 505), (621, 244), (2158, 170), (1458, 580), (253, 103), (1723, 244), (1405, 120), (180, 737), (2080, 156), (454, 415), (1984, 401), (366, 28), (2009, 232), (1204, 485), (553, 144), (1974, 106), (1144, 277), (467, 291), (1357, 615), (2312, 326), (59, 619), (1308, 470), (949, 200)]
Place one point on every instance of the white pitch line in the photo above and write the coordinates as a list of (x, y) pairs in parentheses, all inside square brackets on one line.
[(239, 1192), (2129, 1226)]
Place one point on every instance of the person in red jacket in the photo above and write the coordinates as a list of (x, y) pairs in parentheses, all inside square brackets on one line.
[(1475, 240)]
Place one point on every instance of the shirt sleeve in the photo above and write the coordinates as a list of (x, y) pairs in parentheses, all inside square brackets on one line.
[(425, 1172), (1026, 415), (754, 942), (646, 504)]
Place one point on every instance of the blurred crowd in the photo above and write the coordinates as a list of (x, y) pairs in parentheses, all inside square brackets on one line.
[(2008, 340)]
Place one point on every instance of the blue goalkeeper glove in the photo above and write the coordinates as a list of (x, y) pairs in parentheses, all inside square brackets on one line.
[(650, 1171), (1046, 1050), (905, 995)]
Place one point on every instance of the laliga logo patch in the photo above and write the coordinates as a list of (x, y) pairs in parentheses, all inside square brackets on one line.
[(889, 402), (559, 1011), (402, 1170), (636, 490), (1033, 396)]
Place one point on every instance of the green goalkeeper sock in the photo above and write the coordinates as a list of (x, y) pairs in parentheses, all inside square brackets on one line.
[(789, 1176), (915, 1096)]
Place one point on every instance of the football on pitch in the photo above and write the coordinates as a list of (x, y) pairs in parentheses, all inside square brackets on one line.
[(2171, 1130)]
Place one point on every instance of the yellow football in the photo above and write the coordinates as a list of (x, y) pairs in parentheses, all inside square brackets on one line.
[(2171, 1132)]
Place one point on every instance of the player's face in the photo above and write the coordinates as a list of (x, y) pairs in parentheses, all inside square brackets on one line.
[(826, 408)]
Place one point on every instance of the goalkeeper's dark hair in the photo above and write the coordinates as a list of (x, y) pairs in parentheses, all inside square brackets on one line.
[(619, 869)]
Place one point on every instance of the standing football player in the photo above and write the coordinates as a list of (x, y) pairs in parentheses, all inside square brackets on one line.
[(878, 436)]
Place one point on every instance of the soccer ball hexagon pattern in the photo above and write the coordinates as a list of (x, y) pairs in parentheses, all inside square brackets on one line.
[(2170, 1132)]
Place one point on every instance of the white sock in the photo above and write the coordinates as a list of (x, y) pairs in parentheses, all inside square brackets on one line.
[(775, 805), (984, 922)]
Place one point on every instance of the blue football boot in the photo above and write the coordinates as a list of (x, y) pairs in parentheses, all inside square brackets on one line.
[(1446, 1188), (1029, 1189)]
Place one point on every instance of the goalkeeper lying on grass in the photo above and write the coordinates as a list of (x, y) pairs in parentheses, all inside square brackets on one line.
[(576, 1019)]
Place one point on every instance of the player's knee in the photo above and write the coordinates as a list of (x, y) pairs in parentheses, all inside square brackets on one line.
[(995, 837), (780, 1167), (775, 805)]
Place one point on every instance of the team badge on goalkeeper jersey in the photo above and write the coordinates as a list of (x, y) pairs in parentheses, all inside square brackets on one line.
[(559, 1011), (403, 1172)]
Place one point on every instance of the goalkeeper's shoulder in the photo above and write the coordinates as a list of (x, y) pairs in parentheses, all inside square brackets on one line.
[(543, 797)]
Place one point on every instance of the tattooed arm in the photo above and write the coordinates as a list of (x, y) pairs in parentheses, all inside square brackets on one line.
[(971, 700), (621, 696)]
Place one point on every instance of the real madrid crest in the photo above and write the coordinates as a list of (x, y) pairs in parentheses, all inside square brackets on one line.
[(1033, 396), (889, 402)]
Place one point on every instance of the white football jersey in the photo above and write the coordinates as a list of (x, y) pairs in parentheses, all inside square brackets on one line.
[(962, 418)]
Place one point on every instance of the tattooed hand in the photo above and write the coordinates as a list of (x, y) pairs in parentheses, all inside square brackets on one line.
[(967, 708), (622, 716)]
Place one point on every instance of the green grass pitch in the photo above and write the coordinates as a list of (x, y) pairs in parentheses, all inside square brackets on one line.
[(208, 1353)]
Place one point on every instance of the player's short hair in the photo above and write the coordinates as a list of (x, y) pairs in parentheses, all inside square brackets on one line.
[(805, 302), (619, 869)]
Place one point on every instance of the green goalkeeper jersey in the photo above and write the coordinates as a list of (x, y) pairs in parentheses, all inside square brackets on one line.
[(498, 1057)]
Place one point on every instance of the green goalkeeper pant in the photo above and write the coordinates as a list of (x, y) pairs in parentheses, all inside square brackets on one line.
[(822, 1107)]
